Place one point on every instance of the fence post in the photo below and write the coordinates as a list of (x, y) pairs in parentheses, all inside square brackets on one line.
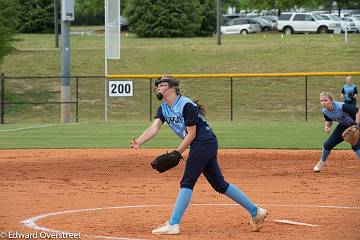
[(306, 106), (77, 99), (106, 83), (150, 107), (2, 98), (231, 100)]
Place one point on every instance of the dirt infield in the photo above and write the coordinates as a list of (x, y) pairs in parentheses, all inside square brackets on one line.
[(114, 193)]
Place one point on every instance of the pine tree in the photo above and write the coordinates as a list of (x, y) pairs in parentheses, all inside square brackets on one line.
[(36, 16), (164, 18), (208, 13), (8, 22)]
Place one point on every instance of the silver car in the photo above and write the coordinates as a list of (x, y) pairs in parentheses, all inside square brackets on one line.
[(240, 26), (265, 24)]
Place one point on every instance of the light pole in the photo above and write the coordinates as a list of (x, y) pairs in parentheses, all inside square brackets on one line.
[(67, 15), (56, 24), (218, 21)]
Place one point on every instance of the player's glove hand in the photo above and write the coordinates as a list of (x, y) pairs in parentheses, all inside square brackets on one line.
[(166, 161), (351, 96), (351, 134)]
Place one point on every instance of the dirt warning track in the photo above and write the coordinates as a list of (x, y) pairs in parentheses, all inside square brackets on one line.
[(115, 194)]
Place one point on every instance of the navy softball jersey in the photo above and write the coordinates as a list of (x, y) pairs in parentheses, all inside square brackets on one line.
[(203, 150)]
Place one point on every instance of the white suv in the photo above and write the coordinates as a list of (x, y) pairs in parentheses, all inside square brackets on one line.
[(305, 22)]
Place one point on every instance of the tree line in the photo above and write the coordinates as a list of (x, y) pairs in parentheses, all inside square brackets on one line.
[(147, 18)]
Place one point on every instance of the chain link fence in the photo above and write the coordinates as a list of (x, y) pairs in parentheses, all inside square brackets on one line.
[(274, 98)]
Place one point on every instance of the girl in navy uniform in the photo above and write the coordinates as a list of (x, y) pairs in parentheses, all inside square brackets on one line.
[(346, 115), (349, 91), (186, 119)]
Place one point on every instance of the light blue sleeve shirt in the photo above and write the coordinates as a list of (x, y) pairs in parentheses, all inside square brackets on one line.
[(339, 115), (174, 115), (177, 121)]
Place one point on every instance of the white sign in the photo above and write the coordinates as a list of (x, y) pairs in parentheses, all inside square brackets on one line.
[(121, 89), (67, 10), (112, 29)]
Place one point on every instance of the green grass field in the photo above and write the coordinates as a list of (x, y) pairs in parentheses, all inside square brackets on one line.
[(278, 135), (35, 54), (272, 99), (272, 109)]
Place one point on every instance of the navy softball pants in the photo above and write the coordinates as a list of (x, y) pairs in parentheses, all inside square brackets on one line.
[(203, 159), (335, 138)]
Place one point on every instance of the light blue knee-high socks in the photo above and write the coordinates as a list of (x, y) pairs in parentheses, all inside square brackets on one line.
[(182, 202), (184, 197), (324, 154), (238, 196)]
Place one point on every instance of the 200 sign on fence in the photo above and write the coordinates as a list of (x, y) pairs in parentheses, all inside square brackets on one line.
[(120, 88)]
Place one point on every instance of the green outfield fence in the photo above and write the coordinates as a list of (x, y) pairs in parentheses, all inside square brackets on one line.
[(229, 97)]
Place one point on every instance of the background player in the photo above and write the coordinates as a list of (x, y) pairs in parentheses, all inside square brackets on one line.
[(343, 113), (349, 91), (186, 119)]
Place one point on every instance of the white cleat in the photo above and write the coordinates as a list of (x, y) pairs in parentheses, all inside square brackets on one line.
[(319, 165), (167, 229), (257, 221)]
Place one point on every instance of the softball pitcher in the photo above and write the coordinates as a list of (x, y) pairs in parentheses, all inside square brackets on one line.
[(186, 119), (343, 113)]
